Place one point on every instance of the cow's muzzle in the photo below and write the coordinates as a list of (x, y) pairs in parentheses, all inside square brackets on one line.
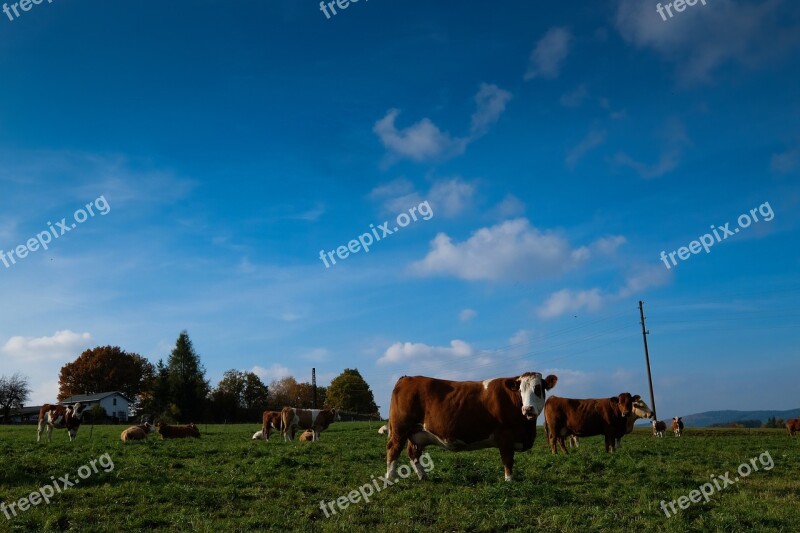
[(529, 413)]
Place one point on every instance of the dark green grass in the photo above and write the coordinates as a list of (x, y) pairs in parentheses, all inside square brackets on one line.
[(227, 482)]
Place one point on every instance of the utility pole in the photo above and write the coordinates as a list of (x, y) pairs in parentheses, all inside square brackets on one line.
[(647, 358), (314, 386)]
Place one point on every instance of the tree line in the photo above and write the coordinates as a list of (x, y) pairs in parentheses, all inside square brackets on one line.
[(177, 390)]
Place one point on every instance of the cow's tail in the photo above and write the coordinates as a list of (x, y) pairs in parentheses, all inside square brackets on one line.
[(546, 429)]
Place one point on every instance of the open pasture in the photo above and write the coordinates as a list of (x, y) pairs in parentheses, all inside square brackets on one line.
[(225, 481)]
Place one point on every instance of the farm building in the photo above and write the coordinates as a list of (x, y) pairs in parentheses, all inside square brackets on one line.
[(24, 415), (115, 403)]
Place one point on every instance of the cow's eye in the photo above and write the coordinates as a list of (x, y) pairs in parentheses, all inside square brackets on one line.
[(537, 390)]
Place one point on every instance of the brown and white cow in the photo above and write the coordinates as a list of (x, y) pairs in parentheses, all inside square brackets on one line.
[(464, 415), (136, 432), (587, 418), (307, 436), (640, 410), (177, 432), (793, 426), (677, 426), (659, 427), (59, 417), (317, 420), (270, 420)]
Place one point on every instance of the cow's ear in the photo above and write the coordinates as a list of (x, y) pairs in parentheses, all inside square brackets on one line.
[(550, 381), (637, 398)]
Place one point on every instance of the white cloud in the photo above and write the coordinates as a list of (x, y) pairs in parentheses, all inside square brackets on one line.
[(568, 301), (63, 345), (509, 207), (449, 198), (490, 101), (409, 351), (549, 53), (274, 372), (592, 140), (673, 139), (704, 38), (420, 141), (425, 141), (509, 251), (575, 97), (467, 314), (785, 162)]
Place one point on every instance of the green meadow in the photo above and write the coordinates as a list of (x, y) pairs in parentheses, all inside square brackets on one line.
[(225, 481)]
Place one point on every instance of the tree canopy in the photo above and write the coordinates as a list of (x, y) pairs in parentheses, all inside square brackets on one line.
[(106, 369), (350, 392), (14, 392)]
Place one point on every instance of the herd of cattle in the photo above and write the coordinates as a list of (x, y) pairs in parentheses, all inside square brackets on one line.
[(455, 415)]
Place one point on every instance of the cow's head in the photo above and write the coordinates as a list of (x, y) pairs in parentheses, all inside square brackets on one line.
[(78, 410), (640, 409), (532, 388), (625, 403)]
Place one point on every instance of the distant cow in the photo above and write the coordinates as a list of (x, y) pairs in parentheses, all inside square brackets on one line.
[(317, 420), (270, 420), (307, 436), (640, 410), (465, 415), (677, 426), (588, 417), (177, 432), (659, 427), (136, 432), (793, 426), (59, 417)]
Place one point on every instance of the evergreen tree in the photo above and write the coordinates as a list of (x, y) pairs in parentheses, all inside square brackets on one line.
[(349, 392), (188, 387)]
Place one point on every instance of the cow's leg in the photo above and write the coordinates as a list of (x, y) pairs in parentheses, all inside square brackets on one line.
[(507, 457), (39, 432), (394, 446), (49, 430), (562, 444), (414, 453), (609, 443)]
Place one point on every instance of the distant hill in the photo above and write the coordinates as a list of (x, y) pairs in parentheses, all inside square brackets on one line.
[(726, 417)]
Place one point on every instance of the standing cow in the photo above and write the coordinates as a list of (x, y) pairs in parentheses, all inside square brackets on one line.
[(588, 417), (793, 426), (317, 420), (639, 410), (659, 427), (270, 420), (464, 415), (677, 426), (59, 417)]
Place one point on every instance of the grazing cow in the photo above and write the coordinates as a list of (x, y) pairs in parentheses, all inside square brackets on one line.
[(270, 420), (677, 426), (307, 436), (586, 418), (659, 427), (384, 430), (465, 415), (793, 426), (136, 432), (317, 420), (640, 410), (59, 417), (177, 432)]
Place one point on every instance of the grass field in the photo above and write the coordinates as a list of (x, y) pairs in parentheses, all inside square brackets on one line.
[(227, 482)]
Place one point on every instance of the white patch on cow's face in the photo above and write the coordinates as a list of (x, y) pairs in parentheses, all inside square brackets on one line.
[(640, 410), (533, 396)]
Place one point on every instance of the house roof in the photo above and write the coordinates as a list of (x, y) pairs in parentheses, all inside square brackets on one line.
[(92, 397)]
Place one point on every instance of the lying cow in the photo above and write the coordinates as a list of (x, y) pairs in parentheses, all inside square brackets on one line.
[(659, 427), (139, 432), (177, 432), (677, 426), (793, 426), (464, 415), (307, 436), (586, 418), (270, 420), (640, 410), (59, 417), (317, 420)]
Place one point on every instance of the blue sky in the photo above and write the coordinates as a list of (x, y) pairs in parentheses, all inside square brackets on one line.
[(560, 149)]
